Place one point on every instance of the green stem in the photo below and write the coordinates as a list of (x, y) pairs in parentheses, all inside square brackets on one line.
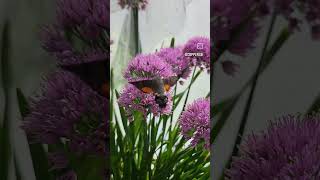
[(173, 104), (5, 149), (253, 88), (189, 87), (135, 14)]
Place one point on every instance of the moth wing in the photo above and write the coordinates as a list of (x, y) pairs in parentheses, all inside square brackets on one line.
[(95, 74), (146, 86), (169, 82)]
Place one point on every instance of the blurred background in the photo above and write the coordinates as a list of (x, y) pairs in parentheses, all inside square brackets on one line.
[(289, 85), (28, 63)]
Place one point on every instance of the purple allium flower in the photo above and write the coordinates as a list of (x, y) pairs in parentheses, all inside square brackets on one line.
[(198, 45), (55, 42), (82, 28), (140, 4), (313, 17), (132, 99), (226, 18), (289, 149), (89, 17), (229, 67), (195, 122), (148, 66), (174, 57), (310, 9), (69, 109), (229, 15)]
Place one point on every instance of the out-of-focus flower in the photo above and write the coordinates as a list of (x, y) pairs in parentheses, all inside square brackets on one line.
[(311, 9), (197, 51), (289, 149), (140, 4), (149, 66), (227, 17), (132, 99), (229, 67), (55, 42), (82, 28), (174, 57), (235, 24), (195, 122), (293, 9), (68, 109), (89, 18)]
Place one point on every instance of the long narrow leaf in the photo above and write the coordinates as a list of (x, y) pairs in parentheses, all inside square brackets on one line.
[(37, 151), (315, 106), (278, 43), (5, 147)]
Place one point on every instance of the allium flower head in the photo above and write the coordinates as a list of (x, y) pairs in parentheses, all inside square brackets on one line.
[(226, 19), (67, 108), (132, 99), (81, 30), (140, 4), (148, 66), (90, 17), (174, 57), (195, 122), (55, 42), (199, 45), (289, 149)]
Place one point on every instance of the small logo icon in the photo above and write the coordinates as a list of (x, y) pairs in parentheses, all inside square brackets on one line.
[(199, 45)]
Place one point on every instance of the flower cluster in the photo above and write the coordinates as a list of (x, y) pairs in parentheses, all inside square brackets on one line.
[(195, 122), (132, 99), (144, 67), (68, 111), (227, 17), (289, 149), (56, 114), (140, 4), (236, 24), (166, 64), (197, 50), (174, 57), (81, 31)]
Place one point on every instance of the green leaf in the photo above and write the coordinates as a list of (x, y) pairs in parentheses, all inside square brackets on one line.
[(172, 43), (37, 152), (22, 103), (39, 161), (5, 150), (228, 106), (87, 167), (315, 107), (127, 47), (17, 168)]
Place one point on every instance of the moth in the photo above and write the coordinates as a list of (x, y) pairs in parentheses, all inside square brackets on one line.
[(157, 86), (95, 74)]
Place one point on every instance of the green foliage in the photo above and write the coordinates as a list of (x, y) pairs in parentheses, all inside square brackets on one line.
[(223, 109), (153, 148), (5, 146), (37, 151)]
